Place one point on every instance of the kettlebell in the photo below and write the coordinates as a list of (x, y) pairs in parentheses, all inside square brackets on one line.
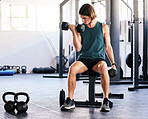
[(24, 69), (18, 69), (21, 106), (6, 67), (9, 105)]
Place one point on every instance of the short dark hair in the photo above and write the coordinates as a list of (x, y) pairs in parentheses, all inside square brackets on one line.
[(88, 10)]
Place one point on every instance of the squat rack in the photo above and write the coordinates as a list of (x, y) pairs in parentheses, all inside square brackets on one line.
[(136, 45)]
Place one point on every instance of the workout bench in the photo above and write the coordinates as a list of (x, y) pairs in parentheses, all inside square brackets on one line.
[(91, 102)]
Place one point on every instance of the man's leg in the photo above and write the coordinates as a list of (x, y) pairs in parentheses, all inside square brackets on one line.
[(77, 67), (102, 68)]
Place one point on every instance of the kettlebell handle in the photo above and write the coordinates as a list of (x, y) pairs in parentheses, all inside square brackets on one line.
[(8, 93), (22, 93), (23, 67)]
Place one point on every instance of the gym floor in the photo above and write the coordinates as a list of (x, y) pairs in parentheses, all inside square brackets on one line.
[(44, 99)]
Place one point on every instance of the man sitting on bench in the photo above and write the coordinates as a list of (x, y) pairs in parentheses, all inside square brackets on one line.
[(92, 44)]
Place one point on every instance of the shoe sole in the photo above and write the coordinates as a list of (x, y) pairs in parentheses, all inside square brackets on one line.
[(67, 108), (104, 110)]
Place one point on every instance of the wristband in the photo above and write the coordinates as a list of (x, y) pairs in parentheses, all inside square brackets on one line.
[(113, 64)]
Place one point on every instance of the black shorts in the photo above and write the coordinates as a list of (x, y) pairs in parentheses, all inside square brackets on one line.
[(90, 63)]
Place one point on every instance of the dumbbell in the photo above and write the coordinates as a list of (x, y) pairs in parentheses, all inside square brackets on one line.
[(112, 72), (62, 97), (80, 28)]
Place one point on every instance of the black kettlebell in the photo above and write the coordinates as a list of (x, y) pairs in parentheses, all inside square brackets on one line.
[(112, 72), (21, 106), (9, 105), (24, 69), (18, 69), (1, 68), (6, 67)]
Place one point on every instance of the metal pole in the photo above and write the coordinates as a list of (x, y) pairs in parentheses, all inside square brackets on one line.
[(115, 33), (145, 43), (77, 11), (77, 19), (136, 44), (108, 9), (129, 8), (61, 40)]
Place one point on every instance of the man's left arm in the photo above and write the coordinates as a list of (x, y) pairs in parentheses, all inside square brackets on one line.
[(108, 47)]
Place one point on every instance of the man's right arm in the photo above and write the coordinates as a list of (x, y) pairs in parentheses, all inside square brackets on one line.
[(76, 37)]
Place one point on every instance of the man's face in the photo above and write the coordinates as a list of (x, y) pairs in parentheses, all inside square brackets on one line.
[(85, 19)]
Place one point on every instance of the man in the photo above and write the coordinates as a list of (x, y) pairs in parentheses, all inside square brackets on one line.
[(92, 44)]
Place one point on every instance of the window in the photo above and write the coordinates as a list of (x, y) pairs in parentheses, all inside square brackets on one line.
[(18, 17), (30, 17)]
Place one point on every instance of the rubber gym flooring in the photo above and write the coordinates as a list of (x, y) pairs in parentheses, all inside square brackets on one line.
[(44, 99)]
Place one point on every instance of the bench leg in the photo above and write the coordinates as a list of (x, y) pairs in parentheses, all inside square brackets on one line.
[(91, 102), (92, 88)]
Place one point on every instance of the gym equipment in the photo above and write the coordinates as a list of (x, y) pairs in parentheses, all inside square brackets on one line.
[(121, 73), (21, 106), (91, 102), (100, 95), (145, 41), (24, 69), (80, 28), (112, 72), (9, 105), (44, 70), (64, 60), (129, 60), (1, 68), (12, 67), (114, 96), (6, 67), (18, 69), (136, 46), (72, 57), (62, 97), (9, 72)]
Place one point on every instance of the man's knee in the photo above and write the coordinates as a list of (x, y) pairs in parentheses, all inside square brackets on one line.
[(103, 67), (72, 70)]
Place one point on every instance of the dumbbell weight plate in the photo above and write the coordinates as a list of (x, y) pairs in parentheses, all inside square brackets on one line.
[(112, 72), (80, 28), (62, 97), (64, 25)]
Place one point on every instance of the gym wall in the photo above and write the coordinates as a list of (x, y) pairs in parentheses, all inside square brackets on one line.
[(36, 45)]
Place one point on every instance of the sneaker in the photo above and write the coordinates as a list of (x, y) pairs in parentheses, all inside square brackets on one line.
[(105, 107), (68, 104)]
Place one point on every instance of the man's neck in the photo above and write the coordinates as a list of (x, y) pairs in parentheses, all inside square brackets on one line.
[(92, 23)]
